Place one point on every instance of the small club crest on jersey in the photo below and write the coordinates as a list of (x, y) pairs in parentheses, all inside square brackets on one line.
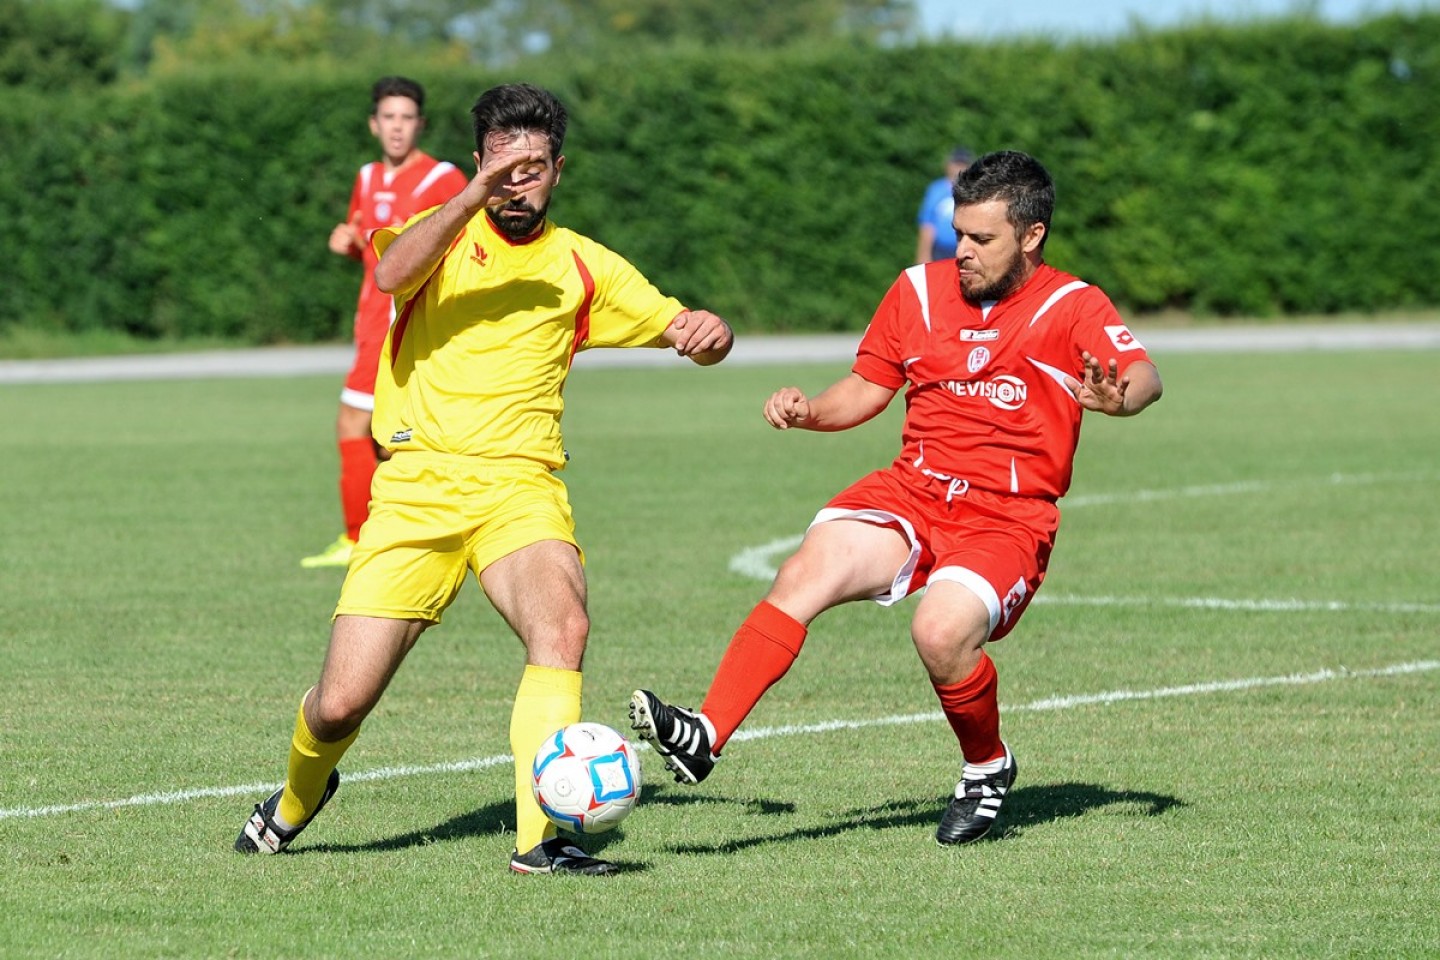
[(480, 256), (977, 359)]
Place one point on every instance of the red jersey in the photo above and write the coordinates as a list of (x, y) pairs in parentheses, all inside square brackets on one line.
[(987, 402), (384, 198)]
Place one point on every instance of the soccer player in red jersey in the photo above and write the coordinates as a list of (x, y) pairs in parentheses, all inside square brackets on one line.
[(387, 192), (1001, 355)]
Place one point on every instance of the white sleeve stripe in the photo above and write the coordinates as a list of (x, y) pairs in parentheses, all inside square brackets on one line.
[(1055, 298), (916, 276), (436, 172)]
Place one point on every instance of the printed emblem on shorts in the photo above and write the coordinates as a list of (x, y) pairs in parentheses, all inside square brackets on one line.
[(1013, 599), (1122, 338), (402, 436), (979, 336), (977, 359)]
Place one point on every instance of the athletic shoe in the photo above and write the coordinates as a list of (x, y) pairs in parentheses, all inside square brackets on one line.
[(977, 803), (682, 737), (559, 856), (335, 555), (262, 835)]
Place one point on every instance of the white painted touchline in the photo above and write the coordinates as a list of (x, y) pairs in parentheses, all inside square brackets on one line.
[(481, 763), (1249, 606)]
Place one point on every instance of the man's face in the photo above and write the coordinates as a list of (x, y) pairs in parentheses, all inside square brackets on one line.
[(992, 260), (397, 123), (530, 184)]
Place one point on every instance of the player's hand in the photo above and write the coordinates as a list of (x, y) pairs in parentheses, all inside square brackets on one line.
[(345, 239), (700, 335), (508, 169), (787, 407), (1099, 389)]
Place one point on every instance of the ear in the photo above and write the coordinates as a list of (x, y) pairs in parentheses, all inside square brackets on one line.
[(374, 126), (559, 165), (1033, 237)]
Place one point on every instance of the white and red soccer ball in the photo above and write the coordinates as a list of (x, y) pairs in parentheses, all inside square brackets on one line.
[(586, 778)]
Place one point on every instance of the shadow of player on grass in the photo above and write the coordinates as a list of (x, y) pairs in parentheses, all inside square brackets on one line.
[(1025, 807), (495, 819)]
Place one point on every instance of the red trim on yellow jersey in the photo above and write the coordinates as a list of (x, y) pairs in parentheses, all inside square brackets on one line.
[(397, 336), (582, 315), (509, 240)]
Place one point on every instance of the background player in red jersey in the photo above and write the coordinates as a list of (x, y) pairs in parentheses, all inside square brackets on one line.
[(1003, 354), (387, 192)]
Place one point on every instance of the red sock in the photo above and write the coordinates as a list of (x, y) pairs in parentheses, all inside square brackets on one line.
[(357, 467), (760, 653), (973, 710)]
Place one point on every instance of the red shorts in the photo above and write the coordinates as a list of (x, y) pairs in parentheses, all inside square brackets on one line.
[(371, 327), (996, 545)]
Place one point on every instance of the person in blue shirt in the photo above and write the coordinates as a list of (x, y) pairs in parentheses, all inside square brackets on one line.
[(936, 234)]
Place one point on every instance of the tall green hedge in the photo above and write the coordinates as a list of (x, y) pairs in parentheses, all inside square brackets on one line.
[(1281, 167)]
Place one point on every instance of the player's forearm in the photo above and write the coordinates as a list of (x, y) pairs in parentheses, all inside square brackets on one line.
[(1144, 389), (845, 404), (415, 252)]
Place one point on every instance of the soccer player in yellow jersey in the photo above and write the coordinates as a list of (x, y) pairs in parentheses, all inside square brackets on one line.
[(492, 302)]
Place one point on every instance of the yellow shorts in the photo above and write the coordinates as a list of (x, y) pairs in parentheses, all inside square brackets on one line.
[(432, 516)]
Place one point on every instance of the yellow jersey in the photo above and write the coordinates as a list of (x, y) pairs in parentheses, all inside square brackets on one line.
[(476, 360)]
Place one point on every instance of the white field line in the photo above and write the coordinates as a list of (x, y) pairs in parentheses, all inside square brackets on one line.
[(757, 563), (1245, 606), (762, 733), (1104, 699)]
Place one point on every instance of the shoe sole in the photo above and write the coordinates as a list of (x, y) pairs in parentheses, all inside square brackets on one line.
[(643, 723), (607, 871), (604, 868)]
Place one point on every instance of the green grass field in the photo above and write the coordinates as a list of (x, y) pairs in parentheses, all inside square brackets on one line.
[(1224, 703)]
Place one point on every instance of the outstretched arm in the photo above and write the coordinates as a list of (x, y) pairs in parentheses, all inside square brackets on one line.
[(1116, 396), (846, 403)]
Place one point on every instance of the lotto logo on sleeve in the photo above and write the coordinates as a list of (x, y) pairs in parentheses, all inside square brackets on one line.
[(1123, 339)]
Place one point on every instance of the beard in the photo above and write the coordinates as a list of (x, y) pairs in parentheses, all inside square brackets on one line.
[(982, 291), (517, 227)]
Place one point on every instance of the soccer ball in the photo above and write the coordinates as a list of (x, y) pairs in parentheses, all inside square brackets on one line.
[(586, 778)]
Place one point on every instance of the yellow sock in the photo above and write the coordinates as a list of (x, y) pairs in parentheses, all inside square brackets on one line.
[(311, 762), (547, 700)]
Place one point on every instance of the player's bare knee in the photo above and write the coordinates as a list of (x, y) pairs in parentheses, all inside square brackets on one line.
[(939, 639), (561, 644), (803, 573), (333, 717)]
